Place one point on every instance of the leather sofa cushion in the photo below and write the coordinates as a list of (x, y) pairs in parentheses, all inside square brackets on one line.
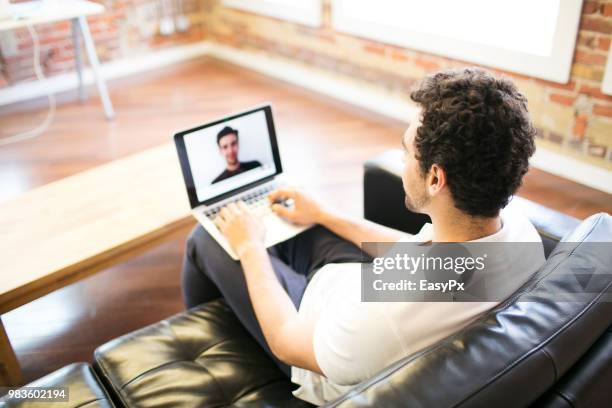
[(199, 358), (84, 390)]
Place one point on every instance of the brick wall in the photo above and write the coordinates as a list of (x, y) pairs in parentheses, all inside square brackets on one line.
[(574, 119), (127, 28)]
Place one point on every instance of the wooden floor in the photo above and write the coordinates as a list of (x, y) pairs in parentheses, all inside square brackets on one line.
[(323, 143)]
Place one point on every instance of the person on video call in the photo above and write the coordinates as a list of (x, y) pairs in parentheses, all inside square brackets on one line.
[(465, 153), (227, 140)]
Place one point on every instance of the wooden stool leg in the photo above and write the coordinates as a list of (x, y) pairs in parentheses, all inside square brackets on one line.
[(10, 373)]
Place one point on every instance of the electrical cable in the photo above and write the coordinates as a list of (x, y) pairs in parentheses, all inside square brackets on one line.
[(40, 129)]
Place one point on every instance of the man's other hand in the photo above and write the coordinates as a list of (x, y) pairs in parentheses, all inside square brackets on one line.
[(241, 228), (306, 209)]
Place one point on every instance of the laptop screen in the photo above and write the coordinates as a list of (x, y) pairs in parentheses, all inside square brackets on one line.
[(229, 155)]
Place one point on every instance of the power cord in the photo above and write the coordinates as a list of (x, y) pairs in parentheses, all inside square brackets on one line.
[(40, 129)]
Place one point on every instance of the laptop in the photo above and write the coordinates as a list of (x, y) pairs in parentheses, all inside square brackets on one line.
[(231, 159)]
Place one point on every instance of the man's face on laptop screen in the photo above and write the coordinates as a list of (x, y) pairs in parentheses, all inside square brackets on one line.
[(228, 147)]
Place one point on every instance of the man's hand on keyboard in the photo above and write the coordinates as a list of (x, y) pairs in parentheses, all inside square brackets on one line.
[(305, 210), (241, 228)]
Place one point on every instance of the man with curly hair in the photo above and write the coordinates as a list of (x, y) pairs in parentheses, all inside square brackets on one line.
[(466, 151)]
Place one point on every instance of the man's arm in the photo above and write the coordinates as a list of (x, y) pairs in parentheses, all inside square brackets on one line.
[(289, 337), (358, 230), (307, 210)]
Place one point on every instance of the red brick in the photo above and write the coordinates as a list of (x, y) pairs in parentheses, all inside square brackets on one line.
[(587, 71), (602, 110), (231, 40), (580, 126), (427, 64), (586, 39), (398, 54), (562, 99), (596, 23), (590, 7), (21, 60), (603, 43), (374, 48), (594, 92), (606, 10), (24, 47), (61, 58), (102, 29), (53, 41), (590, 58), (62, 25)]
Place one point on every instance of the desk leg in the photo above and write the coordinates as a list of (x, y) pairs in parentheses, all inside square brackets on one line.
[(78, 57), (10, 373), (95, 66)]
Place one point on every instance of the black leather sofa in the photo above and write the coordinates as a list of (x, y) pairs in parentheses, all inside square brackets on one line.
[(531, 350)]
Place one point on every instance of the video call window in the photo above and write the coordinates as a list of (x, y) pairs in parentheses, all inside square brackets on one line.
[(229, 155)]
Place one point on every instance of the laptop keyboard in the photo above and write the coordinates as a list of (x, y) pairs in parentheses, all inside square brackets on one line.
[(256, 200)]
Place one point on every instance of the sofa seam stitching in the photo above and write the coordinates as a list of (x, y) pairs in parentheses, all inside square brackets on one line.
[(150, 371), (552, 361), (106, 372), (107, 393)]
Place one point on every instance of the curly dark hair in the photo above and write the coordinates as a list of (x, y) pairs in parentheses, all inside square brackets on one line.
[(477, 128)]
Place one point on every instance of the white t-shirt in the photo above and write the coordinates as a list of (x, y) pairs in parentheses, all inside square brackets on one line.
[(354, 340)]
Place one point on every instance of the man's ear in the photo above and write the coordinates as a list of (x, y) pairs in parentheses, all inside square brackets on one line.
[(436, 180)]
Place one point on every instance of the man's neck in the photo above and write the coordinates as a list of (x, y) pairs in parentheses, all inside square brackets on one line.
[(455, 226), (233, 167)]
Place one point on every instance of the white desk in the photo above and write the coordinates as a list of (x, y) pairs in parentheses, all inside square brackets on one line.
[(40, 12)]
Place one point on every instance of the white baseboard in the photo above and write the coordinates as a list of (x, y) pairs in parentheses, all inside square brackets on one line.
[(346, 90), (110, 70)]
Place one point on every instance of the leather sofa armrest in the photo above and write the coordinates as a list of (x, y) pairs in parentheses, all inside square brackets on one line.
[(384, 202)]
